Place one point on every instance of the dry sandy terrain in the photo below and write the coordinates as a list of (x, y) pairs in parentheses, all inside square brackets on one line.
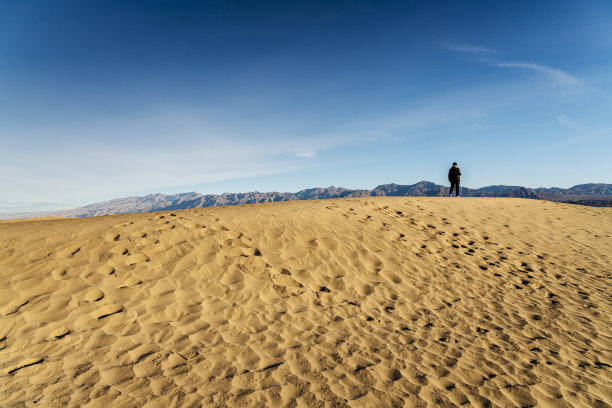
[(376, 302)]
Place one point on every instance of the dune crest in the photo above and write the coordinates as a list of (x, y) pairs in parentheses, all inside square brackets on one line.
[(373, 301)]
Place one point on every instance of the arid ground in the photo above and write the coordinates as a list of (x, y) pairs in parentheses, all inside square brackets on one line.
[(364, 302)]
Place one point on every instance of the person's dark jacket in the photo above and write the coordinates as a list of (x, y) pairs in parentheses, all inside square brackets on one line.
[(454, 174)]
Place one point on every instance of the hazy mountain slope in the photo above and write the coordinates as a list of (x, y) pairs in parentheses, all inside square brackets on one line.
[(598, 195)]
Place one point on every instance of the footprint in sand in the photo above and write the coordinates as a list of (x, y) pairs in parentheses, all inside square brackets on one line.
[(94, 295), (394, 278), (14, 306), (136, 259), (131, 281), (5, 330), (70, 252), (251, 252), (60, 273), (285, 280), (392, 374), (106, 270), (25, 363), (112, 237), (365, 289), (60, 333), (390, 309), (286, 285), (195, 225), (107, 310)]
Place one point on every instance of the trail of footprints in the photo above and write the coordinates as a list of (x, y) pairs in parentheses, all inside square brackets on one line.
[(363, 350), (532, 276)]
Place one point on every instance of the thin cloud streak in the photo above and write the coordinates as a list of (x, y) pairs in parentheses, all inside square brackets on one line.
[(564, 121), (585, 137), (307, 154), (472, 49), (556, 75)]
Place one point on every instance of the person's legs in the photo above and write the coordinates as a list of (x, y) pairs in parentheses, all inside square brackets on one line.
[(457, 188), (450, 193)]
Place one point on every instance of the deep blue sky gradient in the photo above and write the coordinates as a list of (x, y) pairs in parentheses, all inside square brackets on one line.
[(103, 99)]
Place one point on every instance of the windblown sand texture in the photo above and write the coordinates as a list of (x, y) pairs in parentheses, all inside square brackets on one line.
[(375, 302)]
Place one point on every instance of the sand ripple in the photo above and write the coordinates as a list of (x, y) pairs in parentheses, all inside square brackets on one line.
[(380, 302)]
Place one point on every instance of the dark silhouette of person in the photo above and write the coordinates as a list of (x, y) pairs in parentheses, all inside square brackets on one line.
[(454, 176)]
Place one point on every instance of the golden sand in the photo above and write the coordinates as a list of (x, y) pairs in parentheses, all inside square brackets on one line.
[(376, 302)]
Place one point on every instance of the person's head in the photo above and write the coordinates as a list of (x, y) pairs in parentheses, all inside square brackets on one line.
[(455, 164)]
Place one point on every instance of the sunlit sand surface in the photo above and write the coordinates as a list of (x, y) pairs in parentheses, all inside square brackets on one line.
[(376, 302)]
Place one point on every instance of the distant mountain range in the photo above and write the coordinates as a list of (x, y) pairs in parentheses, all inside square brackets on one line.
[(598, 195)]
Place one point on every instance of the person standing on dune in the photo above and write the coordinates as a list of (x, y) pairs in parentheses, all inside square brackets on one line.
[(454, 176)]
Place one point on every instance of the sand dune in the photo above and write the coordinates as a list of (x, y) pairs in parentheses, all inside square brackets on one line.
[(376, 302)]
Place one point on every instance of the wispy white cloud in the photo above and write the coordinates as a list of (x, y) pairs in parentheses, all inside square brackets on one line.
[(408, 120), (587, 136), (486, 56), (564, 121), (472, 49), (557, 76), (306, 154)]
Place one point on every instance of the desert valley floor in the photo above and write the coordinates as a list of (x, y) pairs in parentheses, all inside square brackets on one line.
[(365, 302)]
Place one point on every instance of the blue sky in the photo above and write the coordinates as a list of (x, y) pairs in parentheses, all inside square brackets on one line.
[(106, 99)]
